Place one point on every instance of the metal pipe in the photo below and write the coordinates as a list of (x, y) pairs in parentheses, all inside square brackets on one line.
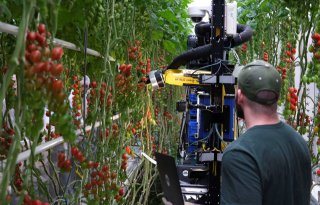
[(52, 143)]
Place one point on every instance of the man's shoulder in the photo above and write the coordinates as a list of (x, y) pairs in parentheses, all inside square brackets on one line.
[(241, 145)]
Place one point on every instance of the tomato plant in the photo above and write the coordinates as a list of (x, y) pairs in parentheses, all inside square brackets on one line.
[(109, 120)]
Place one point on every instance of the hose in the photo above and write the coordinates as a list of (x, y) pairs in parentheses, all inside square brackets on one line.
[(244, 34)]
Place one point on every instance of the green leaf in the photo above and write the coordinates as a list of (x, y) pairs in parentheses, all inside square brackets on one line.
[(157, 35), (4, 11), (283, 13), (169, 15), (264, 6), (252, 14), (252, 24), (169, 46)]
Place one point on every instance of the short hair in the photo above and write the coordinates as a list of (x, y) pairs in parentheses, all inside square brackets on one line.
[(261, 108)]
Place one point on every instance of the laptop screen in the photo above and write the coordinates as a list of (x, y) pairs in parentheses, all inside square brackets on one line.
[(169, 178)]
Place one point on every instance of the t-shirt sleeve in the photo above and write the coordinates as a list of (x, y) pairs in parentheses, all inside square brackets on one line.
[(241, 183)]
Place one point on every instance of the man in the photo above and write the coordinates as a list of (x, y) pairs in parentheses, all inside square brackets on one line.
[(270, 163)]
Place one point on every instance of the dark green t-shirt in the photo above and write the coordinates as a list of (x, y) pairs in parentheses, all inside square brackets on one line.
[(267, 165)]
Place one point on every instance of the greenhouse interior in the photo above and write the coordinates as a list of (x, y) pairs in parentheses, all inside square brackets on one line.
[(146, 102)]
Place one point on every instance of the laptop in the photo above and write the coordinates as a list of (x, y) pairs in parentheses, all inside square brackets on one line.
[(169, 178)]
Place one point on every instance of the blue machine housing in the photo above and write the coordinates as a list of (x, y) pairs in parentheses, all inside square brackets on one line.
[(198, 124)]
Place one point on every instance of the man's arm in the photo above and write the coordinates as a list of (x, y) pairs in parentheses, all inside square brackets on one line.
[(241, 182)]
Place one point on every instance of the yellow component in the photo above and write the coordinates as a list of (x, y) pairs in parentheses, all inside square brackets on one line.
[(223, 94), (203, 146), (182, 77), (223, 145), (78, 173)]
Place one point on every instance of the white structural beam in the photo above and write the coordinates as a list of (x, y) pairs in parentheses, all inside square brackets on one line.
[(11, 29)]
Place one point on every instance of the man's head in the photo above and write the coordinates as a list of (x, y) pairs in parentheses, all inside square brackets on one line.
[(260, 83)]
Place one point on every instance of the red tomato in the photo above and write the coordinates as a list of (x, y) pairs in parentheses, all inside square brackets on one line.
[(316, 36), (39, 67), (57, 86), (56, 53), (37, 202), (56, 69), (96, 165), (93, 84), (289, 45), (122, 67), (61, 156), (41, 39), (105, 168), (124, 156), (31, 36), (124, 165), (67, 164), (291, 89), (31, 47), (121, 191), (35, 56), (115, 126), (128, 150), (41, 28), (117, 197), (289, 53), (144, 79), (74, 151), (113, 175)]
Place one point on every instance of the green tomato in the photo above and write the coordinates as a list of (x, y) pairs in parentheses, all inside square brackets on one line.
[(304, 79), (311, 49)]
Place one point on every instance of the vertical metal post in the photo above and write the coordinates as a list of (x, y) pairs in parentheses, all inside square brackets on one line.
[(217, 35)]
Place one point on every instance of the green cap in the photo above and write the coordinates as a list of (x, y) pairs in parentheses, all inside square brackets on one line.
[(260, 82)]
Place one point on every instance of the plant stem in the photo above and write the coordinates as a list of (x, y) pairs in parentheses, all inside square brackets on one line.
[(14, 62)]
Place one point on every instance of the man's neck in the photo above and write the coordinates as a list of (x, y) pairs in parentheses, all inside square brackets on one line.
[(256, 119)]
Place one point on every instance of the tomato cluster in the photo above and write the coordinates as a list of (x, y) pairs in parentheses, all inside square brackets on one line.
[(265, 56), (42, 68), (103, 182), (282, 71), (102, 94), (290, 53), (244, 47), (317, 121), (28, 201), (106, 134), (63, 163), (292, 98), (17, 177), (124, 163), (316, 44), (128, 150), (134, 51), (44, 86), (76, 101), (77, 154), (167, 115), (6, 137), (312, 73), (124, 80), (304, 120)]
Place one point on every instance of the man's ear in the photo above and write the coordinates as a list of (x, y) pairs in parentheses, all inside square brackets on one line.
[(240, 96)]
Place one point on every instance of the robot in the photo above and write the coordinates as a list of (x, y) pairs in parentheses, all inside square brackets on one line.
[(209, 119)]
